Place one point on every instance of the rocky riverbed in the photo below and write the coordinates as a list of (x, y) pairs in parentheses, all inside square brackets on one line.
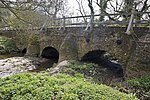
[(15, 65)]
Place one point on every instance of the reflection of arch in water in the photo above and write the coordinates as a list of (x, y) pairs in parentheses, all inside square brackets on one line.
[(97, 57), (50, 53)]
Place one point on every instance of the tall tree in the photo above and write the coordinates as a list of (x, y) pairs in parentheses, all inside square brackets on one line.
[(102, 6), (81, 9), (4, 14), (46, 7), (90, 4)]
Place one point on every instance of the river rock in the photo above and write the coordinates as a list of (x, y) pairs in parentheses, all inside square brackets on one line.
[(60, 65)]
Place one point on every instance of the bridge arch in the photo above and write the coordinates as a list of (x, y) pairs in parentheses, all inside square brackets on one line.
[(93, 56), (24, 51), (50, 53)]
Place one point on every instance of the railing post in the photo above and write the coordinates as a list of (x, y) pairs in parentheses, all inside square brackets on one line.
[(64, 22), (130, 25), (92, 22)]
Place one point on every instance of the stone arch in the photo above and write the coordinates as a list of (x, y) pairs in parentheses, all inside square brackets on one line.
[(24, 51), (50, 53), (92, 56)]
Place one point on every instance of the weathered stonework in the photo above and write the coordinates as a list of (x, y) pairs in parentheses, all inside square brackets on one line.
[(111, 39), (68, 49)]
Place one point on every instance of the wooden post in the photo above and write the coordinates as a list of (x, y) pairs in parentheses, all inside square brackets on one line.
[(91, 22), (130, 25), (64, 22)]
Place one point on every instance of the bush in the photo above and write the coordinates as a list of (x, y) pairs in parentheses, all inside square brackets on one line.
[(7, 45), (141, 86), (10, 46), (61, 87), (141, 83), (83, 66)]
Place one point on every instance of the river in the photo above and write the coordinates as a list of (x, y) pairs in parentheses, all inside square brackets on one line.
[(16, 63)]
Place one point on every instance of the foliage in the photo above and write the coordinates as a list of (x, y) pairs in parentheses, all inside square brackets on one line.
[(96, 73), (83, 66), (33, 39), (141, 87), (8, 44), (61, 87), (141, 83), (4, 13), (31, 19)]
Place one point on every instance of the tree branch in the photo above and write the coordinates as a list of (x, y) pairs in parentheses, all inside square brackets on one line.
[(7, 6)]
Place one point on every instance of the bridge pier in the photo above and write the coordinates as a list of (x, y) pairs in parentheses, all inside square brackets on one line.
[(68, 49), (33, 50)]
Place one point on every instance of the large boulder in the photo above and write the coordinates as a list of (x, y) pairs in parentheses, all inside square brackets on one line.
[(59, 67), (7, 45)]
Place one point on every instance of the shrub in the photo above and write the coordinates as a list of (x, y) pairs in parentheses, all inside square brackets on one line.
[(83, 66), (61, 87), (7, 44), (141, 86), (141, 83)]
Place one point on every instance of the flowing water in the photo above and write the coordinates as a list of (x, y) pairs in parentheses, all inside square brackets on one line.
[(43, 62)]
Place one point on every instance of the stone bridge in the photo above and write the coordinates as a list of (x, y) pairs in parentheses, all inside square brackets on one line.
[(74, 43)]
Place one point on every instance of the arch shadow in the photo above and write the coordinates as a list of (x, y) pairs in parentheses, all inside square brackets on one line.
[(93, 56), (99, 57), (49, 56), (24, 51), (50, 53)]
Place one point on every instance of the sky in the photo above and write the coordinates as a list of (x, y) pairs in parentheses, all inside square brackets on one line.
[(73, 5)]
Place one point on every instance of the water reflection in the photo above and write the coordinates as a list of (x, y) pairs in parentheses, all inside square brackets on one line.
[(44, 64)]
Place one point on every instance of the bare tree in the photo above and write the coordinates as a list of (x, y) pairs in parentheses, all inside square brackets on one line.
[(81, 9), (90, 4), (46, 7)]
